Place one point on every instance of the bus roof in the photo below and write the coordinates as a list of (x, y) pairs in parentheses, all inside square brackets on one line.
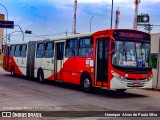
[(73, 36), (57, 38), (77, 35)]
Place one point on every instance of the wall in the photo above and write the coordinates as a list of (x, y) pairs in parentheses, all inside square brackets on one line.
[(155, 48)]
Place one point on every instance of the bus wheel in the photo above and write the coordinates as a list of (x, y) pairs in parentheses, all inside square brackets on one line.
[(12, 72), (86, 84), (121, 90), (41, 76)]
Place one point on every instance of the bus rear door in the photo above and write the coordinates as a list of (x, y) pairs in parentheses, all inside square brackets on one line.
[(59, 55)]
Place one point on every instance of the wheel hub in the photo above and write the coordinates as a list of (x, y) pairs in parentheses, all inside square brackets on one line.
[(86, 83)]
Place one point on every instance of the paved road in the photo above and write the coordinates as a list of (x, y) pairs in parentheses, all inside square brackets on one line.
[(19, 92)]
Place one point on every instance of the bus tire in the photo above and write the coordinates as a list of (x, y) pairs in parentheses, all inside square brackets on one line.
[(12, 72), (86, 83), (41, 76), (121, 90)]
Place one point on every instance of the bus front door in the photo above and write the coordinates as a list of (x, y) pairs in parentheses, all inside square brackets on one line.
[(58, 65), (102, 62)]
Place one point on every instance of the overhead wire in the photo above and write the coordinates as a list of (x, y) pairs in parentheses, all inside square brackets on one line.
[(41, 36)]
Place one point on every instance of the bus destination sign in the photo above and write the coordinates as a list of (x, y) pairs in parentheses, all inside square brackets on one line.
[(131, 35)]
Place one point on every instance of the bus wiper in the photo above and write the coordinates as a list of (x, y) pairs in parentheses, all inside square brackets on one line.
[(125, 54), (131, 70)]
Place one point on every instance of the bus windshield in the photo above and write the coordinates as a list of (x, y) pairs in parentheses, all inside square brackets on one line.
[(131, 54)]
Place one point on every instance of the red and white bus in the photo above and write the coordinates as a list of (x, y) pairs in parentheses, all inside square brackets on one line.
[(109, 59)]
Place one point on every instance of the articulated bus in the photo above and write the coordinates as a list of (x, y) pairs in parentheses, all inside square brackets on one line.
[(109, 59)]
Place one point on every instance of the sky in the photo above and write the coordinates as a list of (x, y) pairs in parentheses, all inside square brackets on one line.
[(51, 18)]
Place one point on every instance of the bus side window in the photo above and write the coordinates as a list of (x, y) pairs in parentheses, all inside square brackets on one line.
[(86, 47), (60, 51), (49, 51), (40, 50), (23, 50), (12, 50), (71, 47), (17, 51)]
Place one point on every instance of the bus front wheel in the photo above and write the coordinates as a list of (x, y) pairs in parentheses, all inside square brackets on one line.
[(86, 83)]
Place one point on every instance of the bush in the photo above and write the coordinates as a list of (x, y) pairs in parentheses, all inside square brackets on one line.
[(0, 60)]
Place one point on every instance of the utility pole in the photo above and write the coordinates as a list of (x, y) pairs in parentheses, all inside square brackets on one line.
[(111, 14), (137, 2), (117, 18), (91, 23), (74, 17)]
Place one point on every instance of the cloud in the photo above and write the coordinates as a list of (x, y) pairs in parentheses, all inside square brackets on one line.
[(115, 1), (66, 2), (86, 1), (150, 1), (57, 15), (101, 1)]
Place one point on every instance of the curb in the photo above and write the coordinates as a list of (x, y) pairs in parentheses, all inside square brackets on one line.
[(153, 89)]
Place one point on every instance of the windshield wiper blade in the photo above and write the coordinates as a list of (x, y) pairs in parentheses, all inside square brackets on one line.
[(125, 54)]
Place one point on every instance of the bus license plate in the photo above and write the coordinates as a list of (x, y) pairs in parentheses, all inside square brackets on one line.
[(136, 84)]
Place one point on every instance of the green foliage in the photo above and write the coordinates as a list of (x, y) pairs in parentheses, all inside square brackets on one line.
[(154, 58), (0, 60)]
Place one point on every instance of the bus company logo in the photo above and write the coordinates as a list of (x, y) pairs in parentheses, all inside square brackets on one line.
[(6, 114)]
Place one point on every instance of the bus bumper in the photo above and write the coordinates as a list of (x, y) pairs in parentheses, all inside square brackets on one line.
[(126, 84)]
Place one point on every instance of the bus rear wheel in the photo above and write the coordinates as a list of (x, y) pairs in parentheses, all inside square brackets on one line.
[(41, 76), (86, 84), (12, 72)]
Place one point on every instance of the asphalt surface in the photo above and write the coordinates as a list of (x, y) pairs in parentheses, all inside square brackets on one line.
[(27, 94)]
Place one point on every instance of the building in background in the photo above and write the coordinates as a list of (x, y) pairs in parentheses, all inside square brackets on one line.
[(1, 32), (155, 56)]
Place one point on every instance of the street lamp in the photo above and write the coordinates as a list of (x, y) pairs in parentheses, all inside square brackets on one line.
[(7, 18), (21, 31), (91, 23), (26, 32), (9, 35)]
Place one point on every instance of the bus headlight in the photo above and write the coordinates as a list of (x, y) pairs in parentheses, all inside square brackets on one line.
[(118, 76), (149, 78), (114, 73)]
